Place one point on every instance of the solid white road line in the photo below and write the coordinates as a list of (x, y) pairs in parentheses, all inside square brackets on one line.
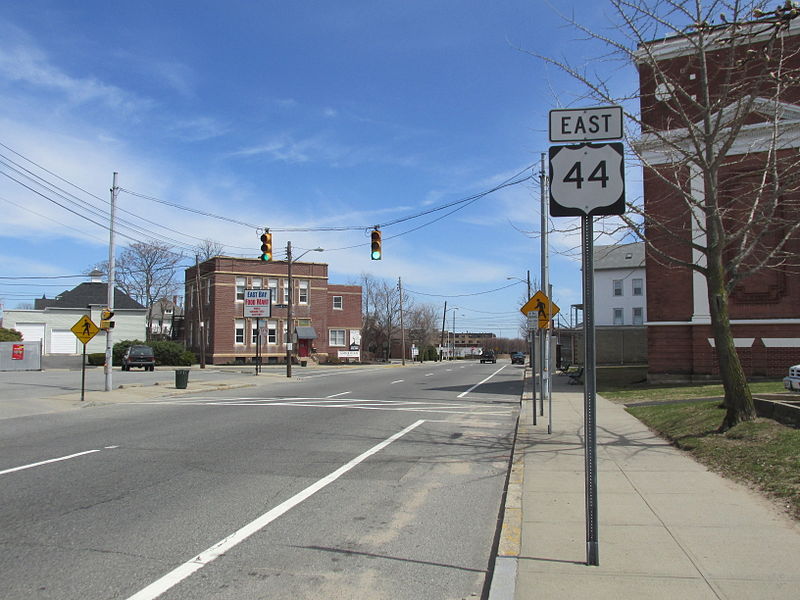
[(339, 394), (47, 462), (462, 394), (171, 579)]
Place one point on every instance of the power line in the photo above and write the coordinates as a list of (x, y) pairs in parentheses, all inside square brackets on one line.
[(461, 295), (463, 201)]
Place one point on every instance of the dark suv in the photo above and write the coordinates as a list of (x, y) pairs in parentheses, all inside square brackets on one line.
[(139, 356), (518, 358), (488, 356)]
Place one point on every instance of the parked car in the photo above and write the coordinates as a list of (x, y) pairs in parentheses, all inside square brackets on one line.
[(139, 356), (792, 382), (488, 356), (518, 358)]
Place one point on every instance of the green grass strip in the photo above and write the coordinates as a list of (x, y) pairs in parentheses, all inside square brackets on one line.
[(762, 453)]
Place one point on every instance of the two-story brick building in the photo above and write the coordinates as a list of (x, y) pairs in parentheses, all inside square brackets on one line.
[(764, 307), (326, 317)]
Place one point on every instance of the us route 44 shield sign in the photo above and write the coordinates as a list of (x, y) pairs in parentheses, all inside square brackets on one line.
[(587, 180)]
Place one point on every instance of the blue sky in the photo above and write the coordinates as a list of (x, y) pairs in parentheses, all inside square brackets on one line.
[(291, 115)]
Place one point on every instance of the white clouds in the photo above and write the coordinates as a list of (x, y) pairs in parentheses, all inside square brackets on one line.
[(199, 129), (21, 61)]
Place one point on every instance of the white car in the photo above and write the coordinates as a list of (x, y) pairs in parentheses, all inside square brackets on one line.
[(792, 382)]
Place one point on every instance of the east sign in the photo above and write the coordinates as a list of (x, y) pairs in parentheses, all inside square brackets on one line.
[(570, 125)]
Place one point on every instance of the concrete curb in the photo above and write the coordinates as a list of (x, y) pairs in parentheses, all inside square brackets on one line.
[(504, 577)]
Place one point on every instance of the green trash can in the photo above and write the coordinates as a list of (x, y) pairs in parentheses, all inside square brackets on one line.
[(181, 378)]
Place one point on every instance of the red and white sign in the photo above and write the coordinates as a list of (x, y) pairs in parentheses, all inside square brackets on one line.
[(258, 304), (18, 352)]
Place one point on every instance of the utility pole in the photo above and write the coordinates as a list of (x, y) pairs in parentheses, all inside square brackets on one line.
[(454, 332), (544, 335), (111, 282), (402, 329), (289, 312), (444, 318), (200, 323)]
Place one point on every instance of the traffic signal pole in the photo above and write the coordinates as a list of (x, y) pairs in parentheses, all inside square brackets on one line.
[(107, 369)]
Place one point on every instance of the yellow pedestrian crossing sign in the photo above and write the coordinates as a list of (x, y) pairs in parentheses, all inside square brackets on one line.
[(85, 329), (543, 306)]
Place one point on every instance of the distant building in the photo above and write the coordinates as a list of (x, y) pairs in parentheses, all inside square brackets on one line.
[(51, 320), (326, 317), (619, 285), (165, 318), (474, 340)]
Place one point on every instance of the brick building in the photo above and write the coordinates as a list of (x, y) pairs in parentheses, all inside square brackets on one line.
[(765, 306), (326, 317)]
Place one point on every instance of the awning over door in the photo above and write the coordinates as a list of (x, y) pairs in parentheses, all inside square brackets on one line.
[(305, 332)]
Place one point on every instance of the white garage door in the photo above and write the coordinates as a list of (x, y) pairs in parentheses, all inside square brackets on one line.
[(63, 341), (31, 332)]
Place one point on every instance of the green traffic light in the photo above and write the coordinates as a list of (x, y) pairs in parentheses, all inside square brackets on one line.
[(376, 255), (266, 257)]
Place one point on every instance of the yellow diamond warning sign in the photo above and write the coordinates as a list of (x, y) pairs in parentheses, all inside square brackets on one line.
[(542, 305), (84, 329)]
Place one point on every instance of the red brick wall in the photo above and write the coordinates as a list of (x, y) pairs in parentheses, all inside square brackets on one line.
[(223, 310), (770, 294)]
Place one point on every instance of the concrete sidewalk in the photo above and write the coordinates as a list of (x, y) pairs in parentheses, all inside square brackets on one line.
[(668, 527)]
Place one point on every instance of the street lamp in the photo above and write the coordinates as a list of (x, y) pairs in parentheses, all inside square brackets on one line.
[(290, 344), (528, 281)]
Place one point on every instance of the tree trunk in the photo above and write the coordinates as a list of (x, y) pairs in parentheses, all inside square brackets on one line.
[(738, 399)]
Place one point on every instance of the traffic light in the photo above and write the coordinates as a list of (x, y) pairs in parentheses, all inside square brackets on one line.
[(105, 319), (266, 246), (376, 244)]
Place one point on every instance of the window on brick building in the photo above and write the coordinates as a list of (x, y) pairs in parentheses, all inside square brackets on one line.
[(337, 303), (255, 283), (285, 286), (239, 331), (302, 292), (241, 282), (619, 318), (637, 287), (254, 325), (273, 288), (272, 332), (336, 337), (638, 316), (618, 287)]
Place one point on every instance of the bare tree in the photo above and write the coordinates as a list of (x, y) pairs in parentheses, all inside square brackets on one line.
[(715, 144), (146, 271), (207, 249), (381, 302), (422, 324)]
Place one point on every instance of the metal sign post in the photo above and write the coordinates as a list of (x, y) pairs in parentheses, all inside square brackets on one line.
[(588, 180), (257, 305), (589, 392), (84, 330)]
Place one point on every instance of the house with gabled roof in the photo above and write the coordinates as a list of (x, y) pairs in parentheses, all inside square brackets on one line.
[(51, 319)]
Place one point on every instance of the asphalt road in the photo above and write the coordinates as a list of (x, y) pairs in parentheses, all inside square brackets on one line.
[(362, 483)]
